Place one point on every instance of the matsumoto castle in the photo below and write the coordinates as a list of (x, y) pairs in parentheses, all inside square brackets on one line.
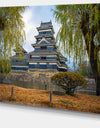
[(45, 55)]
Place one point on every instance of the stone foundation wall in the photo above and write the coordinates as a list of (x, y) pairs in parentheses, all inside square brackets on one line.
[(36, 79), (91, 83), (30, 76)]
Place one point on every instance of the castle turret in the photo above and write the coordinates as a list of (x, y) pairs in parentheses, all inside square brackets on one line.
[(19, 60)]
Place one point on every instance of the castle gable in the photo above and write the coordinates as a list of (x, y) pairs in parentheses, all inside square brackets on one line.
[(43, 41)]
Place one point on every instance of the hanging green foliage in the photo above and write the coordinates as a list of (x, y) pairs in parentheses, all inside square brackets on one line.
[(79, 35), (12, 33)]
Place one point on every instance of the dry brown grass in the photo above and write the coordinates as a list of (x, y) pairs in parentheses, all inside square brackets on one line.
[(79, 102)]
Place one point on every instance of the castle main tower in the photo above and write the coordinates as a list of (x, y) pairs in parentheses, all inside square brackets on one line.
[(45, 55)]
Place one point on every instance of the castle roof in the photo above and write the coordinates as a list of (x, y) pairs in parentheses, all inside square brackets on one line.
[(62, 58), (43, 61), (37, 44), (45, 25), (43, 52), (45, 36), (20, 49)]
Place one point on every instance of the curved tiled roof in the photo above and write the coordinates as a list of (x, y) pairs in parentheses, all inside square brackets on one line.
[(44, 52), (45, 25), (50, 44), (44, 35)]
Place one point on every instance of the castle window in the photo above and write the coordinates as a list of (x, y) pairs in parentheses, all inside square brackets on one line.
[(43, 58), (43, 47), (44, 32)]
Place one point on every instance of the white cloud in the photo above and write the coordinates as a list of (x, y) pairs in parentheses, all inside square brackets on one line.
[(30, 30)]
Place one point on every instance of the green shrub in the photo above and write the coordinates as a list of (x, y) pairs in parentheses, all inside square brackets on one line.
[(68, 81)]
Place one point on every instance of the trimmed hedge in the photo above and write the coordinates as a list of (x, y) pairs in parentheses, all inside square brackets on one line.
[(68, 81)]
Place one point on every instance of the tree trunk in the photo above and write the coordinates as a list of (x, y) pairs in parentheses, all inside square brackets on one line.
[(98, 86), (94, 66), (92, 50)]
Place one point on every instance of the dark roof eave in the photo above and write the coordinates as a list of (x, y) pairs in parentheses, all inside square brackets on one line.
[(43, 61), (52, 44), (42, 53), (40, 28), (62, 60), (45, 35), (45, 27)]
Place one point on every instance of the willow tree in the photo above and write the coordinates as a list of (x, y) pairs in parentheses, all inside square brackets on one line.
[(79, 34), (11, 33)]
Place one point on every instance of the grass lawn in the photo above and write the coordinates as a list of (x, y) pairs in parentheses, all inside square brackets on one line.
[(79, 102)]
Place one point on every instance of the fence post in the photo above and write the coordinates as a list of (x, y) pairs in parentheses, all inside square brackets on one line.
[(45, 87), (50, 97), (12, 88)]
